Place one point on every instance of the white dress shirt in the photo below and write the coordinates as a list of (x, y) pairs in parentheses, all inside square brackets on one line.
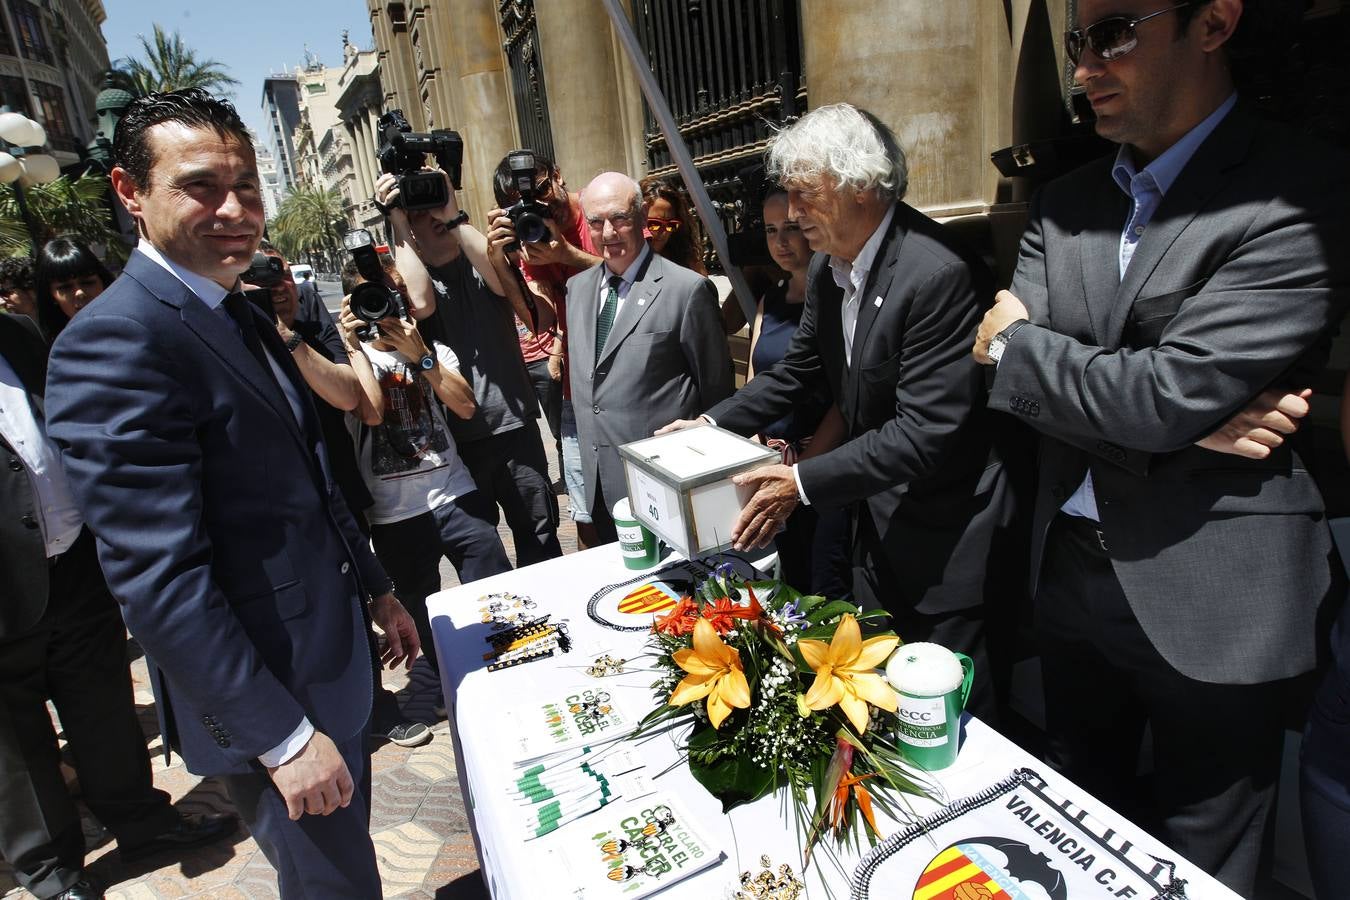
[(23, 429), (213, 295), (851, 276), (628, 277)]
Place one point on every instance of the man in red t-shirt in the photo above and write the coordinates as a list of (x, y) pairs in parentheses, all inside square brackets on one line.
[(546, 266)]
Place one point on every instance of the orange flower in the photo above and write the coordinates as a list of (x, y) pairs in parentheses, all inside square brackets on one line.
[(723, 613), (844, 673), (679, 621), (715, 672)]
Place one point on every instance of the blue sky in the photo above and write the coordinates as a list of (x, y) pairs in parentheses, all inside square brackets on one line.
[(252, 37)]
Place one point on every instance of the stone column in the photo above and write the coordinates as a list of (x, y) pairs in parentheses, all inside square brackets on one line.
[(590, 109), (481, 97), (932, 74), (362, 155)]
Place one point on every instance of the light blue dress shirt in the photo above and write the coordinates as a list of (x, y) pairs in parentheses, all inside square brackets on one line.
[(1146, 189)]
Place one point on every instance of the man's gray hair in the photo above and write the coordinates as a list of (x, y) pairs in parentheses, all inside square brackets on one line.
[(850, 145)]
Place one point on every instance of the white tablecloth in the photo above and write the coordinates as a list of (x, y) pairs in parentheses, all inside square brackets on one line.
[(515, 869)]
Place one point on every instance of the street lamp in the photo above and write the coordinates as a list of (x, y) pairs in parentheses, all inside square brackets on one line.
[(20, 168)]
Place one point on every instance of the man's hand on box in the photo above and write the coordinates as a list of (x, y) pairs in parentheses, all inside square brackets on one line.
[(768, 509), (681, 425)]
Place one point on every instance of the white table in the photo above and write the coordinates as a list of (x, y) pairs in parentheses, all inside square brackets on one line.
[(515, 869)]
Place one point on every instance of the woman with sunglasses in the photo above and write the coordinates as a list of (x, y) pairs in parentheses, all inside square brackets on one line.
[(813, 548), (671, 230), (69, 277)]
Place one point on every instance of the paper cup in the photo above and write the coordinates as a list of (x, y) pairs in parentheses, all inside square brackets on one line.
[(636, 542)]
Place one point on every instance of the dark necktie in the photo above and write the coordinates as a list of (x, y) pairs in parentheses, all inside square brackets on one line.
[(606, 320), (240, 310)]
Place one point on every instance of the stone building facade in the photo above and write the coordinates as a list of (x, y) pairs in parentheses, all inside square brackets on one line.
[(52, 55)]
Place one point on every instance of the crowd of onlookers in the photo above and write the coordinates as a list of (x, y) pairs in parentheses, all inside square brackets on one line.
[(1118, 428)]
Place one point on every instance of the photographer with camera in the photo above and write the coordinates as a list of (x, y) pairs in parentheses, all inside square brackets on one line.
[(446, 266), (336, 374), (425, 505), (314, 343), (541, 223)]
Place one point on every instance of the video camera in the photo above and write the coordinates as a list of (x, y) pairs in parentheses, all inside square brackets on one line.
[(527, 214), (266, 272), (404, 153), (372, 300)]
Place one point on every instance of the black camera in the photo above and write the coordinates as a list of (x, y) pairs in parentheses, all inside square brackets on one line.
[(264, 272), (404, 153), (372, 300), (527, 215)]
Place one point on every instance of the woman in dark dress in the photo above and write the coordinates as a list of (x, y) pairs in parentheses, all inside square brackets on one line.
[(813, 548)]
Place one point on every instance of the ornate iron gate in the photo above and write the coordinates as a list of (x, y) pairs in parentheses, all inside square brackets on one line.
[(527, 74), (731, 70)]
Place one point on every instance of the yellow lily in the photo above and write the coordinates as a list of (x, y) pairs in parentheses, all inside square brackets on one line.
[(715, 672), (844, 672)]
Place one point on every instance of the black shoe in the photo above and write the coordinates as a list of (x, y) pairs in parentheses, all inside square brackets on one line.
[(192, 830), (406, 734), (84, 889)]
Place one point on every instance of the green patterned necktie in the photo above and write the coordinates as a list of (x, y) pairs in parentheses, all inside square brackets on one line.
[(606, 320)]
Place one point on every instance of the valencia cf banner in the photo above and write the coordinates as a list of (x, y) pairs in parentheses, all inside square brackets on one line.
[(1015, 841)]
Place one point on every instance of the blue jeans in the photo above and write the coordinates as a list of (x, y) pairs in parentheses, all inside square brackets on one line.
[(411, 552), (571, 466)]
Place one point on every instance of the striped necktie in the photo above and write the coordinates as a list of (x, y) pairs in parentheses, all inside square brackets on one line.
[(606, 320)]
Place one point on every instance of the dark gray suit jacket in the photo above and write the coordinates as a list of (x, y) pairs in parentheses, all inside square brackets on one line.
[(666, 358), (1235, 286), (23, 554), (917, 456)]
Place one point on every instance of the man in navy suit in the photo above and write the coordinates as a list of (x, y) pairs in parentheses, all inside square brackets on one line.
[(195, 456)]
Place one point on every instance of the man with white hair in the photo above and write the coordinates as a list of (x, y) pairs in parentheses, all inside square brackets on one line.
[(645, 342), (891, 306)]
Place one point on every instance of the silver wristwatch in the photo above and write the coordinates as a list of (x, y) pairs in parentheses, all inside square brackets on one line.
[(1000, 340)]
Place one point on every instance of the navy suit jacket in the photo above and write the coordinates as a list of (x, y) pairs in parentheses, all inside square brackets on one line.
[(237, 565)]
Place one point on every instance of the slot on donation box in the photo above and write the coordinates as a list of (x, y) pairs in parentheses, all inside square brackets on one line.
[(679, 485)]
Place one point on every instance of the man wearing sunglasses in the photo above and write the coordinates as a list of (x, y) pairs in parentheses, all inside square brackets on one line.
[(1165, 300)]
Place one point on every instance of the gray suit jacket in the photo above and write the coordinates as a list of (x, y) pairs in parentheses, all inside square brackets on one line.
[(1235, 286), (666, 358)]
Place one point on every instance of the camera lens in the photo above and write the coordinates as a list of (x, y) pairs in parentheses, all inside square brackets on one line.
[(530, 227), (372, 302), (422, 190)]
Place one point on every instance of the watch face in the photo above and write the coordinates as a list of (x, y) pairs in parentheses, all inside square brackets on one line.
[(428, 362)]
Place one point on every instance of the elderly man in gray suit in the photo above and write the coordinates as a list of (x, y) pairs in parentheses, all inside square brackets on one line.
[(645, 342), (1160, 293)]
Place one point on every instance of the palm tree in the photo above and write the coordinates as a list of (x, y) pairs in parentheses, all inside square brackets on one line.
[(306, 224), (75, 207), (169, 65)]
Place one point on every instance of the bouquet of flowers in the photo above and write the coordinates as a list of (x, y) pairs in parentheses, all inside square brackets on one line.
[(782, 692)]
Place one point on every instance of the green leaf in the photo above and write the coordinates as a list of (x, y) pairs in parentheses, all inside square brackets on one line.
[(733, 779), (830, 610)]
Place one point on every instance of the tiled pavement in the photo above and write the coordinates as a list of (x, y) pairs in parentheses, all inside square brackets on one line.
[(418, 822)]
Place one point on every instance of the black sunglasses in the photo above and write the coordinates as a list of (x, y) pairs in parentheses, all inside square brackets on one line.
[(1112, 37)]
